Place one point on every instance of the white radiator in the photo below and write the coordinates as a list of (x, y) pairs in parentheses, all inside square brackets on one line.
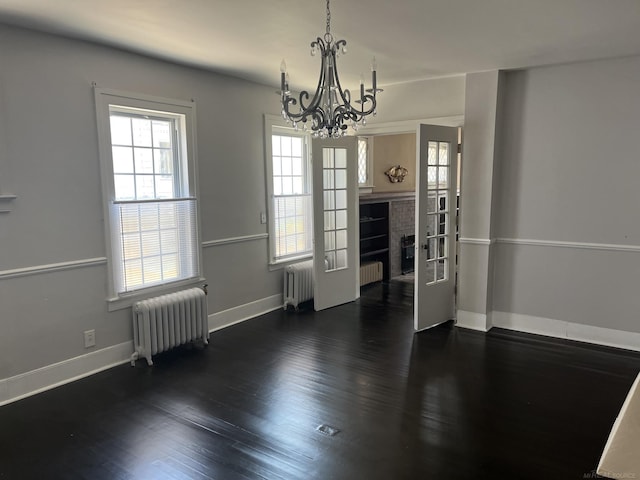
[(164, 322), (370, 272), (298, 283)]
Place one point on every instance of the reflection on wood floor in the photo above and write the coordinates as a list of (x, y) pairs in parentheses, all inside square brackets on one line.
[(406, 278), (446, 403)]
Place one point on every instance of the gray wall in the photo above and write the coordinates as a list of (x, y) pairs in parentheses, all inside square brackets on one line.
[(568, 195), (49, 159), (481, 131)]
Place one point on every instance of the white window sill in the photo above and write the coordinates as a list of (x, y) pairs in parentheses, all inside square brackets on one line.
[(127, 300), (280, 264)]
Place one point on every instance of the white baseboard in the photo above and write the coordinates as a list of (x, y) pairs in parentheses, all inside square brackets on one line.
[(51, 376), (571, 331), (472, 321), (238, 314)]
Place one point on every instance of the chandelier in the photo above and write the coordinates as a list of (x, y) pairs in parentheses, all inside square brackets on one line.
[(329, 112)]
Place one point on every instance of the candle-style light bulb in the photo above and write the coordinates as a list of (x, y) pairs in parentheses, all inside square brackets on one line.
[(362, 87), (283, 73), (374, 82)]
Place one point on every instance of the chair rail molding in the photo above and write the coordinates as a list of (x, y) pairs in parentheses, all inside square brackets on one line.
[(616, 247), (6, 201), (477, 241), (240, 239), (53, 267)]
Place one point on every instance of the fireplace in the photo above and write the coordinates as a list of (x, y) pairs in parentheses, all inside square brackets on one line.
[(407, 250)]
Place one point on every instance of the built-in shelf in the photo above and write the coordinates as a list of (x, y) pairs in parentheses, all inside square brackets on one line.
[(374, 234), (373, 253), (5, 202), (373, 237)]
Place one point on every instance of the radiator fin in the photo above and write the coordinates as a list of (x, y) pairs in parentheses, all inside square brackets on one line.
[(370, 272), (164, 322), (298, 283)]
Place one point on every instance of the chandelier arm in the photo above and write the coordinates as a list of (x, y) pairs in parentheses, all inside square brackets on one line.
[(346, 94), (317, 96), (286, 100), (346, 99), (366, 99), (319, 117), (306, 111), (341, 114), (304, 95)]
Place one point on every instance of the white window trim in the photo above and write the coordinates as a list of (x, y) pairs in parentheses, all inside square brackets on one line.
[(104, 98), (271, 123)]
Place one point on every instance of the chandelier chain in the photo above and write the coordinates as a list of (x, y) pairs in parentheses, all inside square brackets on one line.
[(328, 19)]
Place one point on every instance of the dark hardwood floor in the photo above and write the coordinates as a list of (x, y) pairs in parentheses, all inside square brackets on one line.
[(443, 404)]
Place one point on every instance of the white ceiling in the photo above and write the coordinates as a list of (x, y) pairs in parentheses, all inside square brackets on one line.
[(411, 39)]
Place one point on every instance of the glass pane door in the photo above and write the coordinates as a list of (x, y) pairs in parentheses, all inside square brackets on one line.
[(334, 189), (335, 222), (438, 214), (435, 225)]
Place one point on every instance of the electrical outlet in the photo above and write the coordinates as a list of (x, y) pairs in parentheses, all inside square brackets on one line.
[(89, 338), (263, 217)]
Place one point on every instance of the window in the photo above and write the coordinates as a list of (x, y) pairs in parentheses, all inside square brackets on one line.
[(365, 145), (289, 190), (148, 168)]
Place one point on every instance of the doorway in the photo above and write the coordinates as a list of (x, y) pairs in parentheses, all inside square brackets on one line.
[(394, 209)]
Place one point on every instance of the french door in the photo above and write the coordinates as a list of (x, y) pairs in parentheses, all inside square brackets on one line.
[(336, 252), (436, 204)]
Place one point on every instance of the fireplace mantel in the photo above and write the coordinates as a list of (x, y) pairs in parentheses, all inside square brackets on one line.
[(387, 197)]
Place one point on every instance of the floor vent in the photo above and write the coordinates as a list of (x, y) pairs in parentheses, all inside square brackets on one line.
[(328, 430)]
